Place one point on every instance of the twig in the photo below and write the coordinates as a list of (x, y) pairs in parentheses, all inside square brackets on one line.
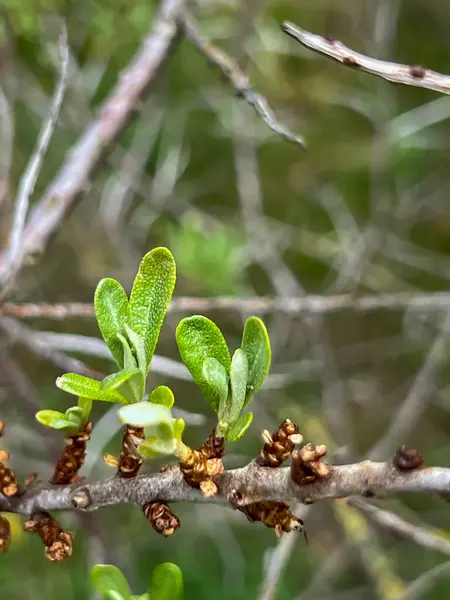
[(396, 73), (73, 177), (29, 178), (399, 526), (246, 485), (306, 304), (420, 585), (237, 79), (30, 339), (7, 142)]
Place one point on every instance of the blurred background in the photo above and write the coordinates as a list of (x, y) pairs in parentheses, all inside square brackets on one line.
[(363, 211)]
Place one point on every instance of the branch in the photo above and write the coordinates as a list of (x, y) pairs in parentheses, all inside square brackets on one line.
[(307, 304), (238, 80), (416, 76), (73, 177), (392, 522), (243, 486), (29, 178)]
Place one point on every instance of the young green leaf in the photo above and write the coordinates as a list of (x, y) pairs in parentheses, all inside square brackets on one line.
[(198, 338), (56, 420), (178, 428), (113, 595), (79, 385), (137, 346), (238, 381), (129, 361), (111, 310), (108, 578), (166, 582), (129, 382), (256, 345), (155, 447), (239, 427), (150, 297), (86, 406), (76, 415), (162, 395), (145, 414), (216, 376)]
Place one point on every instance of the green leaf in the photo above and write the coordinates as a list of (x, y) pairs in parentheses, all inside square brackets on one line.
[(129, 361), (129, 382), (216, 376), (112, 595), (162, 395), (239, 428), (86, 406), (108, 579), (56, 420), (256, 345), (166, 583), (111, 310), (178, 428), (150, 297), (198, 338), (79, 385), (154, 447), (145, 414), (238, 381), (138, 348), (76, 415)]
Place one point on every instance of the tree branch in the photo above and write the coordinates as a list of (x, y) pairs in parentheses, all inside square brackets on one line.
[(73, 177), (416, 76), (243, 486)]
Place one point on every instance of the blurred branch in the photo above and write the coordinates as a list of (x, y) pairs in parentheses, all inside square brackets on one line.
[(396, 73), (390, 521), (25, 336), (306, 304), (7, 143), (422, 584), (29, 177), (73, 177), (243, 486), (237, 79)]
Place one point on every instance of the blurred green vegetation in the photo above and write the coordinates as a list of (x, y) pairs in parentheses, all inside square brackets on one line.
[(293, 219)]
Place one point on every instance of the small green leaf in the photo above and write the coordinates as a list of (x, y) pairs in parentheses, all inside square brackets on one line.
[(150, 297), (216, 376), (238, 381), (76, 415), (86, 406), (239, 428), (154, 447), (256, 345), (113, 595), (129, 361), (137, 346), (145, 414), (111, 310), (56, 420), (166, 583), (178, 428), (129, 382), (79, 385), (108, 579), (198, 338), (162, 395)]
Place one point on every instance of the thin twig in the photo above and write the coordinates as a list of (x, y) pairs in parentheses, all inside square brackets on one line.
[(73, 177), (29, 178), (312, 304), (396, 73), (237, 79), (392, 522), (246, 485), (7, 142), (421, 585)]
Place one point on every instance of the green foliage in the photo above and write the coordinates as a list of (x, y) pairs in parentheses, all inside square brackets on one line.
[(79, 385), (72, 421), (109, 581), (198, 339), (238, 381), (130, 383), (162, 395), (256, 345), (111, 310), (150, 297), (166, 583), (238, 428)]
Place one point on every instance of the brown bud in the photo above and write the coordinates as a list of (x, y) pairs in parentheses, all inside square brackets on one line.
[(161, 518), (407, 459), (8, 481), (130, 460), (278, 446), (213, 447), (73, 457), (2, 428), (198, 469), (307, 466), (276, 515), (58, 543), (5, 534)]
